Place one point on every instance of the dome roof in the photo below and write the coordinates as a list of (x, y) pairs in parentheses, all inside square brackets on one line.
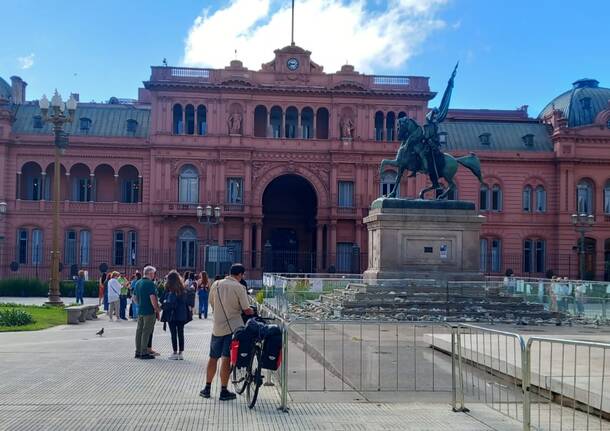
[(5, 90), (581, 104)]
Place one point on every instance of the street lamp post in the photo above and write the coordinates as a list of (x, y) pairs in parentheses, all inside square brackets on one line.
[(582, 223), (208, 217), (3, 207), (57, 113)]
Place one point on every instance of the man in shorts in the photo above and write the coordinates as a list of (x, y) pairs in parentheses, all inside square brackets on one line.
[(228, 299)]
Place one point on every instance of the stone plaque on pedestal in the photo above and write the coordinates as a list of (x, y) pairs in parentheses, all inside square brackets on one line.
[(416, 238)]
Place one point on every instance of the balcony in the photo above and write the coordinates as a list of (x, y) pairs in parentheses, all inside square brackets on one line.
[(23, 206)]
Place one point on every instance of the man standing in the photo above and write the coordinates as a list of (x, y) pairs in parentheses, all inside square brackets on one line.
[(148, 312), (228, 299), (114, 290)]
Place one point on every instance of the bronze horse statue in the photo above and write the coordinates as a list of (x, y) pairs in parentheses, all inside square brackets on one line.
[(413, 145)]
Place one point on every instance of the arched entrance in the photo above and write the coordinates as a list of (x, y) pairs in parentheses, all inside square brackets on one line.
[(289, 225)]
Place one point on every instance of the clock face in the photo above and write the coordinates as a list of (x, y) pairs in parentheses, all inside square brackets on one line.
[(292, 63)]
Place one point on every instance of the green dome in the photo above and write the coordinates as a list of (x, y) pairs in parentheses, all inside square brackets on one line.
[(5, 90), (581, 104)]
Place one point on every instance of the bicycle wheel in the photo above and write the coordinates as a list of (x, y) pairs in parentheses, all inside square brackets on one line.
[(239, 378), (255, 379)]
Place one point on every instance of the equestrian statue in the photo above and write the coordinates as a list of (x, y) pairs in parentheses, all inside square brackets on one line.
[(420, 152)]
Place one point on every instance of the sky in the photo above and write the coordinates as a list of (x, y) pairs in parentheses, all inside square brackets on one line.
[(511, 52)]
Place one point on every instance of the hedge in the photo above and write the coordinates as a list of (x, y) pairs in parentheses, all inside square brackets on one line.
[(34, 287)]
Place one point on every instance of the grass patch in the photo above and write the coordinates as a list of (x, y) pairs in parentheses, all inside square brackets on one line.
[(44, 316)]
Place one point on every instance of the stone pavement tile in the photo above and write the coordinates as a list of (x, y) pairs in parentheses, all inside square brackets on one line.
[(67, 378)]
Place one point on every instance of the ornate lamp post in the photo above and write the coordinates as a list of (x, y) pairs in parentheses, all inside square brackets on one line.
[(3, 207), (208, 217), (57, 113), (582, 223)]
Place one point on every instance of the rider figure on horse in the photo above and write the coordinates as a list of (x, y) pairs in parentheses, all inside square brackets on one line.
[(433, 162)]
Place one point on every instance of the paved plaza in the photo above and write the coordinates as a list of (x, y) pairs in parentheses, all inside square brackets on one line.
[(67, 378)]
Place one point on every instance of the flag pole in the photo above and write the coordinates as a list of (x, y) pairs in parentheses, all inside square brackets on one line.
[(292, 28)]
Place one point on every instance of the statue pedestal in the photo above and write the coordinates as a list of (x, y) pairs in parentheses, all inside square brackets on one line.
[(423, 239)]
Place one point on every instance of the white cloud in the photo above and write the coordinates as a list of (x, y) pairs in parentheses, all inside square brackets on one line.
[(335, 31), (26, 62)]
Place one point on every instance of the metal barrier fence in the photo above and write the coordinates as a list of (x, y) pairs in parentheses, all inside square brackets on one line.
[(546, 383), (569, 379)]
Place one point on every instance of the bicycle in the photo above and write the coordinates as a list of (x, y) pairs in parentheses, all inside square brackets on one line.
[(250, 378)]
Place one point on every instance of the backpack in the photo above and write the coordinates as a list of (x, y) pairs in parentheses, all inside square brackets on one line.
[(241, 348), (271, 357)]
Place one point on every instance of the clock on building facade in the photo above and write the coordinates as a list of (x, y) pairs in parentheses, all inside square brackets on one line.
[(292, 63)]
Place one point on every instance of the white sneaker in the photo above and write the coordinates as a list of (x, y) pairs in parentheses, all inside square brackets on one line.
[(174, 356), (180, 357)]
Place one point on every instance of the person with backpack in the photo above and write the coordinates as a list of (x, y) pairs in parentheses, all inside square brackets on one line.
[(228, 299), (177, 312)]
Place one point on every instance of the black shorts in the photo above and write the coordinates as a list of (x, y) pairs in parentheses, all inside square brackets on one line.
[(220, 346)]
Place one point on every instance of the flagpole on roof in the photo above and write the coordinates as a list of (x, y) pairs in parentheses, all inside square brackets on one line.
[(292, 28)]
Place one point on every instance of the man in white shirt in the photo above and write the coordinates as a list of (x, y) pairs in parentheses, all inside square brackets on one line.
[(114, 291), (228, 299)]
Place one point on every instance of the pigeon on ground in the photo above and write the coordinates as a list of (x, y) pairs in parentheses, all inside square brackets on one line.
[(100, 332)]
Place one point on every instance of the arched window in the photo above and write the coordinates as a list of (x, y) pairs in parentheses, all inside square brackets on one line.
[(607, 260), (82, 183), (118, 248), (69, 257), (379, 126), (132, 248), (188, 188), (187, 250), (292, 116), (189, 115), (387, 183), (260, 121), (31, 182), (275, 120), (490, 255), (496, 198), (322, 123), (202, 121), (177, 125), (484, 198), (390, 125), (22, 246), (584, 197), (607, 198), (540, 199), (307, 123), (526, 199)]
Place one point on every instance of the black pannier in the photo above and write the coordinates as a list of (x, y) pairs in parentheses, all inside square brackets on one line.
[(241, 348), (271, 357)]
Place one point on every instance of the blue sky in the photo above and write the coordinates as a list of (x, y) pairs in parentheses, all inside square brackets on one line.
[(511, 53)]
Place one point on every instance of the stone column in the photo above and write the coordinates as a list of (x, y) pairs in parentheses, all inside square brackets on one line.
[(259, 244), (319, 246), (68, 196), (18, 188), (116, 187), (269, 127), (140, 188), (332, 245), (246, 247), (43, 186), (298, 133), (93, 187)]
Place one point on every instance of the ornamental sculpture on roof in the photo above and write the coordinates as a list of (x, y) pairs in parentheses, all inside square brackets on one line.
[(420, 152)]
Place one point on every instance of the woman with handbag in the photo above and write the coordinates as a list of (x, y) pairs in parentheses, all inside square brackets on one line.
[(203, 293), (176, 311)]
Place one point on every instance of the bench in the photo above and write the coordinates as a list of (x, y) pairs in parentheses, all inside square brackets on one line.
[(80, 313)]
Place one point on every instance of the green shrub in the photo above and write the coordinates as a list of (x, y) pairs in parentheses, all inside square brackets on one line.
[(23, 287), (260, 296), (15, 317)]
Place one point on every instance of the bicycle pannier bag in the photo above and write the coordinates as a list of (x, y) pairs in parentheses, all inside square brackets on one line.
[(241, 348), (271, 357)]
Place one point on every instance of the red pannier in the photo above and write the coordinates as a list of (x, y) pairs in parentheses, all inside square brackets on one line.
[(241, 348), (271, 357)]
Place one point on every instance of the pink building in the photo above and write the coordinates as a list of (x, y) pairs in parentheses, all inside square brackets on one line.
[(290, 155)]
